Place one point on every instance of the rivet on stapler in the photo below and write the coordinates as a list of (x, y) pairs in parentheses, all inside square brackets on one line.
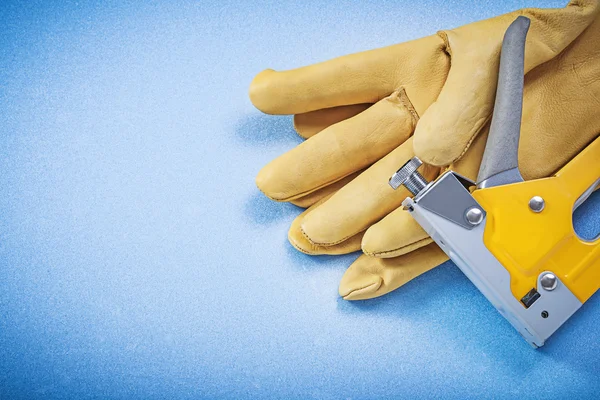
[(514, 239)]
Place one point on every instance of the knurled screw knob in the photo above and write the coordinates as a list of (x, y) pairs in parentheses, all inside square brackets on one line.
[(409, 177)]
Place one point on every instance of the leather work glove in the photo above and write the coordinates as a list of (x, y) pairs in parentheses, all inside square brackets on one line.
[(366, 114)]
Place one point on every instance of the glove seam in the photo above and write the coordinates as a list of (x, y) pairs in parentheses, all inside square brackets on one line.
[(330, 243), (405, 101), (300, 249), (378, 254)]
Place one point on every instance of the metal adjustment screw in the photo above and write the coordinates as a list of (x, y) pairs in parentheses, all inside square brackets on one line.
[(537, 204), (474, 216), (549, 281), (409, 177)]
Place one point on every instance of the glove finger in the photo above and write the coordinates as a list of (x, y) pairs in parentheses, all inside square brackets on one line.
[(465, 103), (357, 78), (339, 150), (310, 123), (398, 233), (370, 277), (317, 195), (301, 243), (362, 202)]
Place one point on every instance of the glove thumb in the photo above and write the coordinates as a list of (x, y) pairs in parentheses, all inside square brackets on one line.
[(463, 107)]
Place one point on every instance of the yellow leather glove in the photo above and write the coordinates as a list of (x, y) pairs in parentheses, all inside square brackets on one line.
[(446, 83)]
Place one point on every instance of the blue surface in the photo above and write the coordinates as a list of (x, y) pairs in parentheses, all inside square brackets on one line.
[(138, 260)]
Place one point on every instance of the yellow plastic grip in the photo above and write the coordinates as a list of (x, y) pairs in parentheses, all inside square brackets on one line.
[(528, 243)]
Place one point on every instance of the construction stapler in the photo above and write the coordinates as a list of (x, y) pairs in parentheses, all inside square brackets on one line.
[(514, 239)]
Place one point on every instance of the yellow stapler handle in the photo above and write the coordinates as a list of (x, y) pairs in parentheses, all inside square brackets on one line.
[(529, 241)]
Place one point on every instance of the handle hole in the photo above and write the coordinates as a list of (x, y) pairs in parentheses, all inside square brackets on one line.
[(586, 217)]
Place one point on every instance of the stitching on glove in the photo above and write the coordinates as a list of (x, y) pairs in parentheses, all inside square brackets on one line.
[(314, 252), (424, 242), (405, 101), (293, 243), (328, 244)]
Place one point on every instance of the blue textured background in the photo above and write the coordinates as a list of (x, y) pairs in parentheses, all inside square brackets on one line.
[(138, 260)]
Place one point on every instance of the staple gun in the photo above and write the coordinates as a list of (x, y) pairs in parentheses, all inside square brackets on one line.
[(514, 239)]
